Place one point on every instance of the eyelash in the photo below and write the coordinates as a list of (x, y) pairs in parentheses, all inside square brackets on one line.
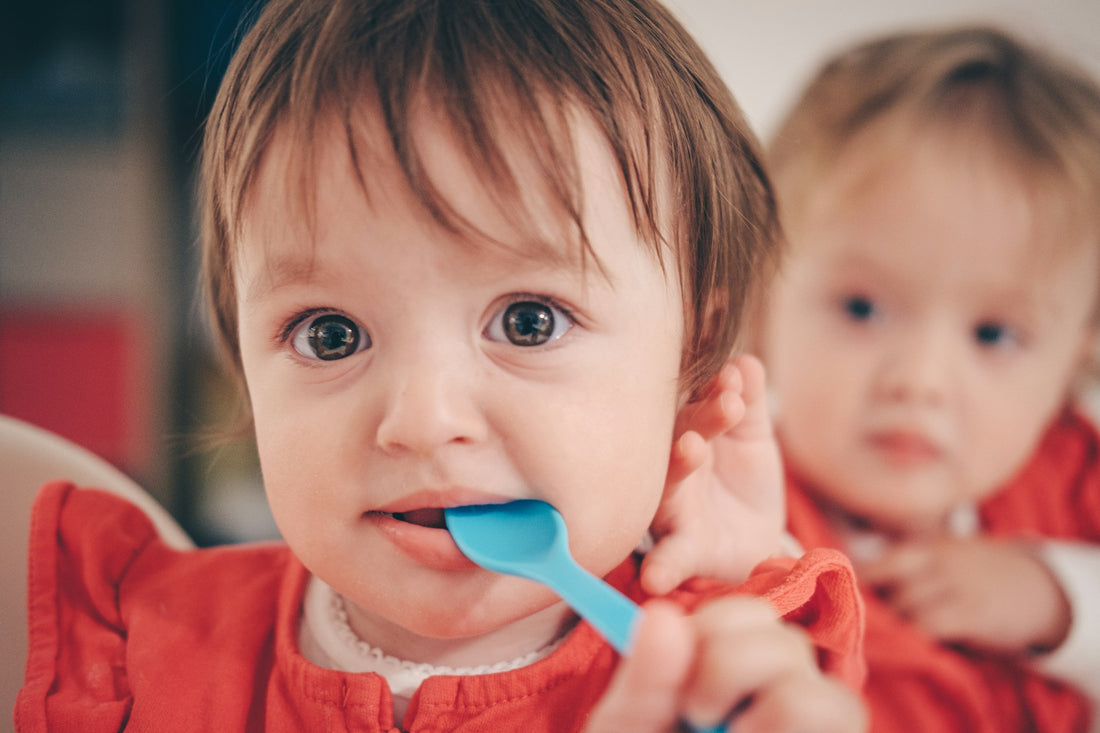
[(290, 327), (520, 298), (1007, 335), (859, 308), (286, 331)]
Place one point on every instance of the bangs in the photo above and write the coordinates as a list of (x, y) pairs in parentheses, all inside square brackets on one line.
[(509, 81), (497, 81)]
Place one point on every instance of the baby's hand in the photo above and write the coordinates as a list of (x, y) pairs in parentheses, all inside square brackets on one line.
[(733, 657), (993, 595), (723, 507)]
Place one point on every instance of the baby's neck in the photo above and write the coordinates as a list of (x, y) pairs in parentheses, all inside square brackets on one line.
[(518, 639), (866, 538), (327, 639)]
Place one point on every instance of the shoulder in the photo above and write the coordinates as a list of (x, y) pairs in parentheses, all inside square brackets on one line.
[(1057, 491), (1074, 430), (106, 593), (101, 541), (82, 543)]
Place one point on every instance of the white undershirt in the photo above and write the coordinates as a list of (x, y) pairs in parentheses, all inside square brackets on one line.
[(327, 640)]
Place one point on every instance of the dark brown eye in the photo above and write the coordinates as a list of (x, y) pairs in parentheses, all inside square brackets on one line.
[(529, 323), (992, 334), (859, 308), (330, 337)]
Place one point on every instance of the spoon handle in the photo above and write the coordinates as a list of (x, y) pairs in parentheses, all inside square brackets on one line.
[(610, 612)]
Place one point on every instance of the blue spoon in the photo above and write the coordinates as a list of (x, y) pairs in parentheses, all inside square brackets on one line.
[(528, 538)]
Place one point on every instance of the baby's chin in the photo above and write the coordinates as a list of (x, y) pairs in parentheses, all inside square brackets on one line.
[(473, 635), (901, 520)]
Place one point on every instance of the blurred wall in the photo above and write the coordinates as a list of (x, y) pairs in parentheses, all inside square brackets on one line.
[(101, 337), (767, 49), (85, 285)]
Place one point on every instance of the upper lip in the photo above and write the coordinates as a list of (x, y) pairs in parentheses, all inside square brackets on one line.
[(440, 499)]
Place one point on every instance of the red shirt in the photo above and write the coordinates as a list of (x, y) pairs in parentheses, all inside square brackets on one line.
[(914, 683), (127, 632)]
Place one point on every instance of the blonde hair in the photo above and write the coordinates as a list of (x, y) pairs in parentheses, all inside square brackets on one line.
[(1041, 112), (509, 66)]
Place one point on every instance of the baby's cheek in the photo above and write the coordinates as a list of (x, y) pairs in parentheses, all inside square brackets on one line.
[(609, 534)]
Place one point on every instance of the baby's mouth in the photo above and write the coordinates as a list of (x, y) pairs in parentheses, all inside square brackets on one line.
[(420, 533), (430, 517)]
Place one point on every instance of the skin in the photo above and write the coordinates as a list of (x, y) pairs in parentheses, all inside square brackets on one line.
[(723, 510), (441, 408), (746, 655), (922, 336), (437, 406)]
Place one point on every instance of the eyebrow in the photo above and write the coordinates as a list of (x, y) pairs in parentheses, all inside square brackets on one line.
[(1026, 299), (283, 270), (279, 272)]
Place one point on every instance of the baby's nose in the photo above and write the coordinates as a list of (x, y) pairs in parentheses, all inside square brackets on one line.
[(917, 368), (429, 404)]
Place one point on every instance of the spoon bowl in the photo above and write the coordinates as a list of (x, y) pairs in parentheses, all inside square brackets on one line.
[(528, 538)]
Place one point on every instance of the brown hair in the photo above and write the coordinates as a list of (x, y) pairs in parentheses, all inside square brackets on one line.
[(1041, 112), (489, 66)]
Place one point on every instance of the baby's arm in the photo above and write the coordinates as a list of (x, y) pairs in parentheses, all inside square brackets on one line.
[(732, 658), (985, 593), (1076, 566), (1039, 604), (723, 507)]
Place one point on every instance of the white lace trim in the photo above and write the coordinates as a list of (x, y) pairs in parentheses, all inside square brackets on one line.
[(326, 618)]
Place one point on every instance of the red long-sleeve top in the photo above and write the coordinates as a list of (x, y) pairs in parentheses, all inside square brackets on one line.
[(126, 632), (915, 683)]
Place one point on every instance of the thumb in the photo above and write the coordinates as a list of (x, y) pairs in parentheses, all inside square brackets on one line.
[(644, 693)]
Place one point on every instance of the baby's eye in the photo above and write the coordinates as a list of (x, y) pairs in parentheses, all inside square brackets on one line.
[(992, 333), (859, 308), (529, 323), (329, 337)]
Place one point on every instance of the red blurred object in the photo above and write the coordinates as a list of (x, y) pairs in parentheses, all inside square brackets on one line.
[(83, 373)]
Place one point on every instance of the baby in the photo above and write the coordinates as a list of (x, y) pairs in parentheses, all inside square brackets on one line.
[(460, 253), (925, 340)]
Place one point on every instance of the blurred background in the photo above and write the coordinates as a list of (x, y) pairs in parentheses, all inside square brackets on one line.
[(102, 336)]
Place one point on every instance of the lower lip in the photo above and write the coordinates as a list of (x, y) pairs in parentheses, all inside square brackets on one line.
[(905, 450), (426, 545)]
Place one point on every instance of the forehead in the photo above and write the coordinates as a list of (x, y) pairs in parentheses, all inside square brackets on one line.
[(946, 212), (920, 178), (304, 185)]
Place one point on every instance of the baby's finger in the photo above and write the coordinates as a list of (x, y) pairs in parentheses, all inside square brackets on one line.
[(755, 418), (808, 704), (644, 693), (945, 619), (688, 454), (719, 406), (743, 648), (671, 561), (897, 565), (916, 598)]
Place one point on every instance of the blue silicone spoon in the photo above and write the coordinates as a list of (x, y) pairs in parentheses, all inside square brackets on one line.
[(528, 538)]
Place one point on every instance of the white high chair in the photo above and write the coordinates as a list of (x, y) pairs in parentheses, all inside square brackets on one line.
[(29, 457)]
